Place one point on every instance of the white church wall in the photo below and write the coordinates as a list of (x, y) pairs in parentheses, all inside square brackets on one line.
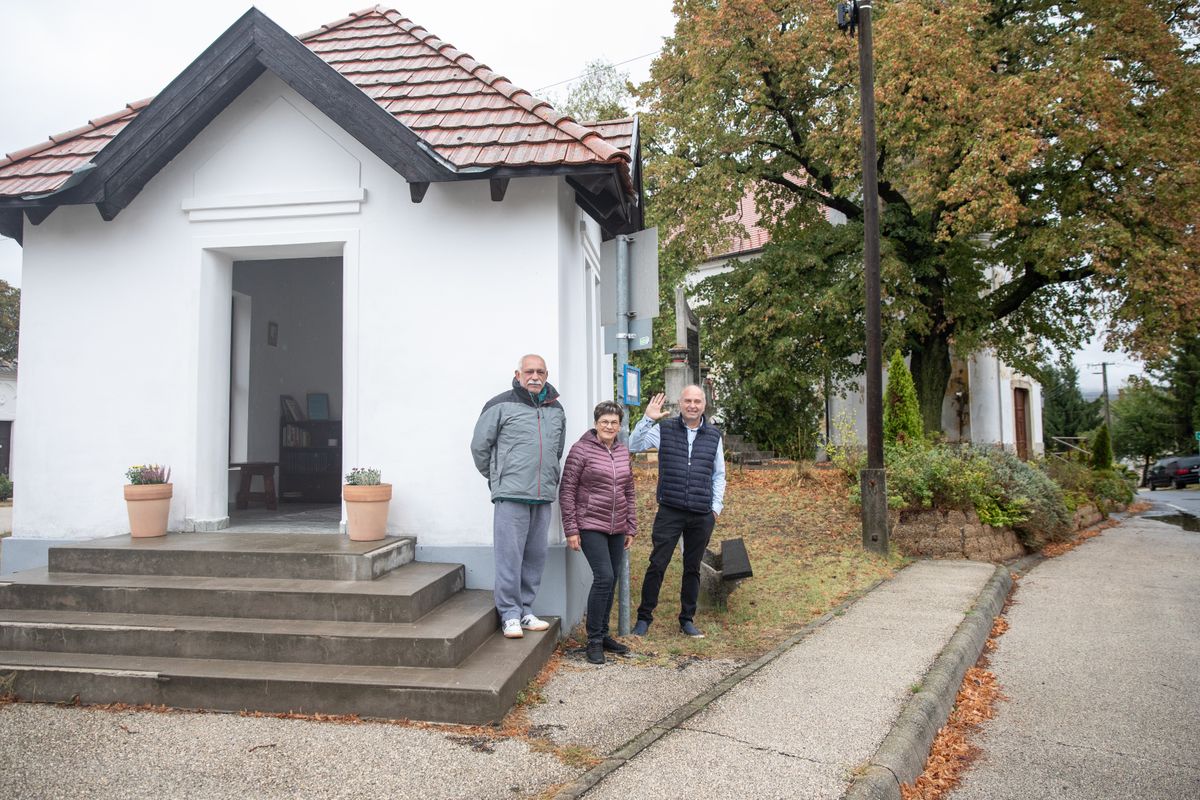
[(441, 297)]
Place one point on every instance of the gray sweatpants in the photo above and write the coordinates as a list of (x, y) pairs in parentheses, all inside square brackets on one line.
[(519, 538)]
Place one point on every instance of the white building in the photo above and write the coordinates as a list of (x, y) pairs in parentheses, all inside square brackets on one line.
[(986, 402), (362, 212)]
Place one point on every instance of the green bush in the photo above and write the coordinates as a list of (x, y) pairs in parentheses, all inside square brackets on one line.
[(1081, 485), (1041, 500), (1000, 488), (901, 414), (6, 489)]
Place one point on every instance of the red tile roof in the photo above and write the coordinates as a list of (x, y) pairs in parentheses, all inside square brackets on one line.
[(754, 236), (471, 116)]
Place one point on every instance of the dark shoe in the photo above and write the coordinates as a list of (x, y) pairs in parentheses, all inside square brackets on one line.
[(595, 652), (688, 629), (613, 646), (640, 628)]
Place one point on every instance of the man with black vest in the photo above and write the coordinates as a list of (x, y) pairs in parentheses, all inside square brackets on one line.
[(691, 493)]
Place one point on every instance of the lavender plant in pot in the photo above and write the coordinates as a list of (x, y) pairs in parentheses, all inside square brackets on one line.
[(367, 501), (148, 499)]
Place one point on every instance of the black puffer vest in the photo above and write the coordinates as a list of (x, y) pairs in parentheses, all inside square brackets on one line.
[(685, 483)]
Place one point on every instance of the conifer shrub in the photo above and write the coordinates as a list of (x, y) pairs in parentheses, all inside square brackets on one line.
[(901, 412), (1102, 452)]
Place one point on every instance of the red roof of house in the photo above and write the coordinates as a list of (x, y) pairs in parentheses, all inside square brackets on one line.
[(468, 114), (753, 236)]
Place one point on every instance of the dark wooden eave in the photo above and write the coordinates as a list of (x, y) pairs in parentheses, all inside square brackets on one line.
[(226, 68), (11, 224)]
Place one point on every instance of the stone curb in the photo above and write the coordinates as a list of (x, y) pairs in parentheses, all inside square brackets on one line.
[(901, 757), (683, 713)]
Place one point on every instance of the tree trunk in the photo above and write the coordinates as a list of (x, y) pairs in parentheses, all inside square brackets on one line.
[(930, 367)]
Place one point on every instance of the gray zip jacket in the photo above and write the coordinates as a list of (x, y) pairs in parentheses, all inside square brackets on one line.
[(518, 443)]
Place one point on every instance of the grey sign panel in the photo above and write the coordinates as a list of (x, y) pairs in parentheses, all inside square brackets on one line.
[(641, 330), (643, 276)]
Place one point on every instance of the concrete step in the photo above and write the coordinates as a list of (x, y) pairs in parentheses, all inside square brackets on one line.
[(237, 555), (442, 638), (480, 690), (403, 595)]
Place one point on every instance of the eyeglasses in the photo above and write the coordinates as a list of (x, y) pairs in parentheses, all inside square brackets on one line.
[(609, 423)]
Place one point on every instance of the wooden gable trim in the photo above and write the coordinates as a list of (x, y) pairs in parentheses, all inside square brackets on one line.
[(190, 102)]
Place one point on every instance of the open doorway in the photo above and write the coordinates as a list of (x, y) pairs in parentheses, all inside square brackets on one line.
[(285, 397)]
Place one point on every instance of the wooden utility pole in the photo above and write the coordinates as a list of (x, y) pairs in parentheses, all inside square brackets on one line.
[(873, 479)]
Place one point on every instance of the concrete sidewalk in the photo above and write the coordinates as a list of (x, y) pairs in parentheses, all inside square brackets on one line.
[(803, 725), (1099, 670)]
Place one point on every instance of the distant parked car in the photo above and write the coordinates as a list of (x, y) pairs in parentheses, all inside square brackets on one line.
[(1177, 471)]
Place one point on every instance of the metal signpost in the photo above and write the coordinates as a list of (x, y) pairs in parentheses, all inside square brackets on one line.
[(628, 304)]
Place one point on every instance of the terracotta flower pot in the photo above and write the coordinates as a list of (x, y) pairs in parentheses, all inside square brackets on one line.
[(149, 505), (367, 511)]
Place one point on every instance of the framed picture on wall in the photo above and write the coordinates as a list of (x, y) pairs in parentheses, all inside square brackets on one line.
[(318, 405), (292, 412)]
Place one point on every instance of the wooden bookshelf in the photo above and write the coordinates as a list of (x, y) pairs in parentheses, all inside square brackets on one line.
[(310, 460)]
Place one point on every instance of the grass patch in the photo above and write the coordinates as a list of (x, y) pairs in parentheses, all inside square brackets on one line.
[(805, 544)]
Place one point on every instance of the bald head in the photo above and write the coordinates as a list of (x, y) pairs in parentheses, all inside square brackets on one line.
[(691, 405)]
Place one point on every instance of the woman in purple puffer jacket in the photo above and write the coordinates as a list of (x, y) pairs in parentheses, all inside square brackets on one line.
[(599, 516)]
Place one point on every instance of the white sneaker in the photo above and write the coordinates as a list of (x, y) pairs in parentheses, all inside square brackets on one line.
[(512, 629), (531, 623)]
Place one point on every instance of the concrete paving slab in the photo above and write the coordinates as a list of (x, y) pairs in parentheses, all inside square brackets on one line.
[(602, 707), (823, 707), (704, 766)]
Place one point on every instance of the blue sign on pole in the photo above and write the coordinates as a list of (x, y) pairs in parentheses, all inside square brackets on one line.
[(632, 385)]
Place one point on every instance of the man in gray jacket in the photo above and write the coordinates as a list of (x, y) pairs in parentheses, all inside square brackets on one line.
[(517, 446)]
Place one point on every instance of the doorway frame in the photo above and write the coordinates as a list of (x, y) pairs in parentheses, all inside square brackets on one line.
[(206, 502)]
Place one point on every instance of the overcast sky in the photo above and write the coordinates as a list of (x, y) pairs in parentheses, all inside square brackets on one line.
[(69, 61)]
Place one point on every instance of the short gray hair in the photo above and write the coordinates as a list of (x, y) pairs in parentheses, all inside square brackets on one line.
[(521, 361)]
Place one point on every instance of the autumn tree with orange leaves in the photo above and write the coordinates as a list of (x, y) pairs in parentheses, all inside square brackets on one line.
[(1038, 161)]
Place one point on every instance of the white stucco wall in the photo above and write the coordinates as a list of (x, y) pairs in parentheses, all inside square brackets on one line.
[(126, 324)]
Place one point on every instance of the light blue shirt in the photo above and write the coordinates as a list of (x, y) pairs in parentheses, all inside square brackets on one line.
[(645, 436)]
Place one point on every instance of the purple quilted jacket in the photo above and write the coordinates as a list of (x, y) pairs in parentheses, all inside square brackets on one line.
[(596, 489)]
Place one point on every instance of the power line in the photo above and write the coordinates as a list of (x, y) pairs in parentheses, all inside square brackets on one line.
[(594, 71)]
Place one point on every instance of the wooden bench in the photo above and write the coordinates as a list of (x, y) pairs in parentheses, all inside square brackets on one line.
[(261, 469)]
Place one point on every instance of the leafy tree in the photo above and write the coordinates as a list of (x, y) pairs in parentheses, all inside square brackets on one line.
[(10, 320), (602, 92), (901, 415), (1180, 369), (1142, 424), (1033, 164), (1102, 451), (1065, 413), (775, 324)]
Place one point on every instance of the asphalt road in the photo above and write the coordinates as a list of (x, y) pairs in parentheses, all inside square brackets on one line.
[(1099, 668), (1168, 501)]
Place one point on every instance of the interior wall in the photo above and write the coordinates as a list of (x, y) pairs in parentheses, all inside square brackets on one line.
[(303, 298)]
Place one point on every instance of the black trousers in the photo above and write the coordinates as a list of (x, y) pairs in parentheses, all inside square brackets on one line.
[(669, 525), (603, 552)]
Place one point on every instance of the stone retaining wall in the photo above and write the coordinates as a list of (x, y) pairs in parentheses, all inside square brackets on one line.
[(953, 534)]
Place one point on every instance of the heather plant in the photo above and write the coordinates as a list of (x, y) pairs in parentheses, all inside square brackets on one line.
[(363, 476), (6, 486), (140, 474)]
